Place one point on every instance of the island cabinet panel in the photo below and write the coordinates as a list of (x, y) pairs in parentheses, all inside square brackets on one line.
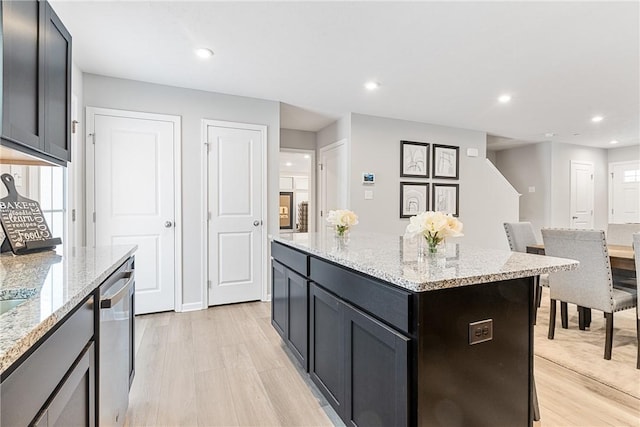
[(289, 301), (376, 372), (484, 384)]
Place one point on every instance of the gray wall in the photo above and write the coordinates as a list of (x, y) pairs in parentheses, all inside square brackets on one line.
[(340, 129), (561, 157), (193, 106), (623, 154), (298, 139), (486, 200), (529, 166)]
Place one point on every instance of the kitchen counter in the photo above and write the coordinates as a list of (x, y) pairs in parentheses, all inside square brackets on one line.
[(53, 284), (395, 260)]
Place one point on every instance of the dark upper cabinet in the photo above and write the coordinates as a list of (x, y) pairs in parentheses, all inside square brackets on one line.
[(36, 97), (57, 84)]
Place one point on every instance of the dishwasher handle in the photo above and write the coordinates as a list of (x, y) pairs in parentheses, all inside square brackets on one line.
[(108, 302)]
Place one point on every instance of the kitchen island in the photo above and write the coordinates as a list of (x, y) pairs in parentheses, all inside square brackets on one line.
[(393, 338), (49, 331)]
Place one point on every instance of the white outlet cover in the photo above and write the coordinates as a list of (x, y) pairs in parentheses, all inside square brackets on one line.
[(532, 189), (368, 194), (472, 152)]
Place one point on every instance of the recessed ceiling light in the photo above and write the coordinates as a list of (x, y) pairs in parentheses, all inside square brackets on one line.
[(288, 164), (549, 134), (596, 119), (306, 156), (204, 53), (371, 85), (504, 98), (613, 142)]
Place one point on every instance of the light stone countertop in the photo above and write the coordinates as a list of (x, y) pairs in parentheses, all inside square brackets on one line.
[(53, 283), (395, 260)]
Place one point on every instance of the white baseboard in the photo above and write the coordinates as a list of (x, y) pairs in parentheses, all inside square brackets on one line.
[(192, 306)]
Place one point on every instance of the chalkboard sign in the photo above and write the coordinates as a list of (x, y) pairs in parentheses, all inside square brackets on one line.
[(23, 223)]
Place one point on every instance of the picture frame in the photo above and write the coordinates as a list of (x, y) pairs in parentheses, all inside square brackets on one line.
[(414, 198), (286, 210), (446, 198), (446, 161), (414, 159)]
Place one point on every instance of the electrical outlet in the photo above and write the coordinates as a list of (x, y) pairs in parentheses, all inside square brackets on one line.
[(480, 331)]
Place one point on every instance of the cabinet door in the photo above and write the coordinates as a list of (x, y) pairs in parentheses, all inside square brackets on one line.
[(326, 345), (376, 372), (279, 298), (23, 81), (73, 404), (57, 97), (297, 321)]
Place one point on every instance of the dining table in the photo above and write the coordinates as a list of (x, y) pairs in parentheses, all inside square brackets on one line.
[(621, 257)]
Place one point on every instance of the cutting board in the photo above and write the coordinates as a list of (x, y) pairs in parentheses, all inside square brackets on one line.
[(23, 223)]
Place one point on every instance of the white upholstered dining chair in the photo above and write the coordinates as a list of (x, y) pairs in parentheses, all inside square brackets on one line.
[(636, 249), (591, 284), (621, 234)]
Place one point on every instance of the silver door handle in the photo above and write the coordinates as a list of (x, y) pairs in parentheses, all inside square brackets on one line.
[(168, 224), (574, 217), (256, 223)]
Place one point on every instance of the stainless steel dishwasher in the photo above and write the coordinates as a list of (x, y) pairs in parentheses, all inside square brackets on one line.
[(116, 345)]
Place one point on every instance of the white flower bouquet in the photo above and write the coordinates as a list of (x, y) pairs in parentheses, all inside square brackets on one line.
[(342, 219), (435, 227)]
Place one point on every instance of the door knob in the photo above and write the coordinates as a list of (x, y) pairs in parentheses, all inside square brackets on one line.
[(574, 217), (256, 223), (168, 224)]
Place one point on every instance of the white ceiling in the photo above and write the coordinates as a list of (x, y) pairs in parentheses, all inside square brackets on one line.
[(437, 62), (295, 163)]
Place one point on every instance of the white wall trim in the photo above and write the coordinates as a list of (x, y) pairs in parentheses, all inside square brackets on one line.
[(312, 181), (91, 112), (204, 274), (610, 185)]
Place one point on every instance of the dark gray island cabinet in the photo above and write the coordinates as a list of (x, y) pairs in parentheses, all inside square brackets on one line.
[(440, 352)]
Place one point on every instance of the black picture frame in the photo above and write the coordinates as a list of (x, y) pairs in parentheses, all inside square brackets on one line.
[(446, 162), (414, 159), (414, 198), (286, 210), (446, 198)]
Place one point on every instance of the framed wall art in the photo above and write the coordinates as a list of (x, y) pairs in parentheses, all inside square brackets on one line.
[(446, 198), (286, 210), (414, 198), (446, 161), (414, 159)]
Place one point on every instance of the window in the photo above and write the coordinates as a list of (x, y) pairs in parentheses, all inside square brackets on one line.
[(52, 197), (631, 176)]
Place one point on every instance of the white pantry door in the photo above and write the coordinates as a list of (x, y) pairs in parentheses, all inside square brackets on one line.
[(134, 181), (333, 180), (581, 195), (234, 192), (625, 192)]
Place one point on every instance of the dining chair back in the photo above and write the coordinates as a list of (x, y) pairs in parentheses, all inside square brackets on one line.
[(520, 235), (590, 286), (621, 234), (636, 249)]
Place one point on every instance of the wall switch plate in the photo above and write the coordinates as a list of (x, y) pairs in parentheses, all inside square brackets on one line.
[(532, 189), (368, 194), (472, 152), (480, 331)]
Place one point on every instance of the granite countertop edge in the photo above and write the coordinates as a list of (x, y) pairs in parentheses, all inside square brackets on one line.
[(431, 285), (27, 339)]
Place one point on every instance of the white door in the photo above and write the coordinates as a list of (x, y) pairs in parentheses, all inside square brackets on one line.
[(333, 179), (236, 234), (581, 195), (624, 192), (135, 196)]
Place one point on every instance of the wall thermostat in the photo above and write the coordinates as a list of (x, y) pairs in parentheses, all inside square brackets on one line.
[(368, 178)]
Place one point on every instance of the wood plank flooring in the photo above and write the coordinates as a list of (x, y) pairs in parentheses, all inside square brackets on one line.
[(226, 366)]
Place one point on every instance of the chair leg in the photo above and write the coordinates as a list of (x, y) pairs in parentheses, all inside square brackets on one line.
[(552, 319), (587, 317), (534, 397), (608, 344), (638, 337), (563, 315), (539, 294), (581, 318)]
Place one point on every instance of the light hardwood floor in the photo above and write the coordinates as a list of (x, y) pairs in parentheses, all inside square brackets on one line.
[(226, 366)]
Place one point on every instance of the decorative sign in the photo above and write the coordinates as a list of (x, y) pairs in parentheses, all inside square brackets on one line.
[(23, 223)]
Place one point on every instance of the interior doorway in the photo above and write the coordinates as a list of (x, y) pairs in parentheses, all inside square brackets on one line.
[(624, 192), (297, 191)]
